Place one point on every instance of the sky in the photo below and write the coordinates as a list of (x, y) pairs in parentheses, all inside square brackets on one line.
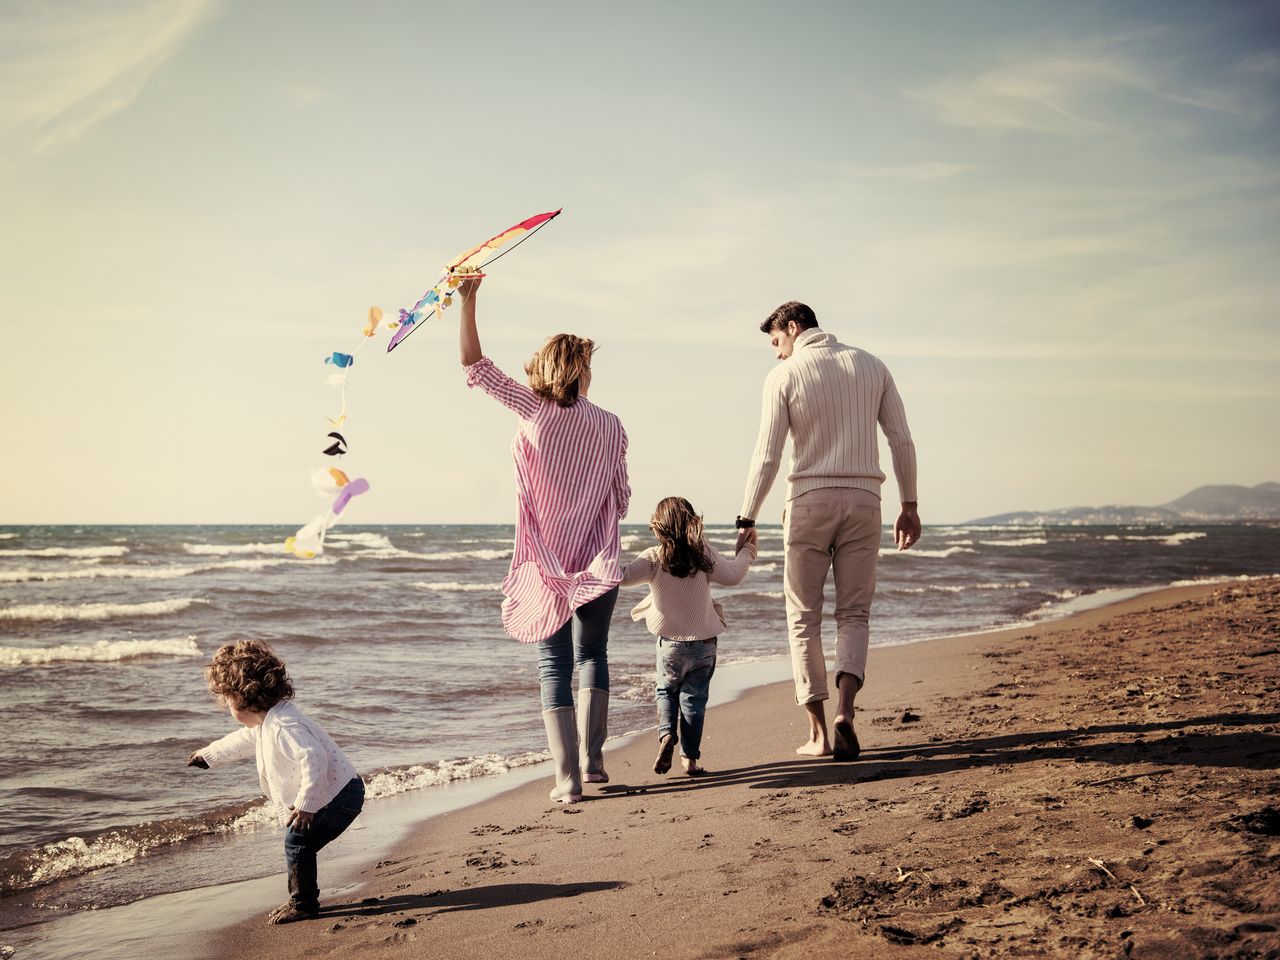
[(1056, 223)]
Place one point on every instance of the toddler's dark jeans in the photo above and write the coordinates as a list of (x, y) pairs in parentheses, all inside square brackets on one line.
[(301, 846)]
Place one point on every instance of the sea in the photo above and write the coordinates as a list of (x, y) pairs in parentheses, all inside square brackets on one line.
[(393, 639)]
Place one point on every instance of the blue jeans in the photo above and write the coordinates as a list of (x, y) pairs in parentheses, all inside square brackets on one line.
[(301, 846), (684, 679), (584, 640)]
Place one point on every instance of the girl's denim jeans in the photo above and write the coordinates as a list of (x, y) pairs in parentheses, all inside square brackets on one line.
[(584, 640), (301, 846), (684, 681)]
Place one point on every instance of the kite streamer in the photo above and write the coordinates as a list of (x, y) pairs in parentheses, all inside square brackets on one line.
[(334, 485)]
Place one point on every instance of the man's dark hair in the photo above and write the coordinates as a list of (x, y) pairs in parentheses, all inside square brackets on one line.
[(801, 313)]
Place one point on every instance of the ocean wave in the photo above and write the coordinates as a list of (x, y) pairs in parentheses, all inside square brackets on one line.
[(453, 586), (140, 573), (8, 536), (959, 587), (389, 783), (75, 856), (65, 552), (1023, 542), (103, 651), (1243, 578), (1168, 539), (224, 549), (97, 611), (915, 552), (464, 555)]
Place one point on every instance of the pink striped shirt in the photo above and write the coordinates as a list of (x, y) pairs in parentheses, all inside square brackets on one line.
[(571, 484)]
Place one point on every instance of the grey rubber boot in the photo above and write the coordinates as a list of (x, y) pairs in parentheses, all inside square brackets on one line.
[(562, 738), (593, 728)]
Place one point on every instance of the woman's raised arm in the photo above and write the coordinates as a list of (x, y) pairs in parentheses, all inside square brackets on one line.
[(468, 335)]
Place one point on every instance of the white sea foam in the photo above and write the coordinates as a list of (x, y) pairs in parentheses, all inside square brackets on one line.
[(388, 783), (915, 552), (65, 552), (1243, 578), (464, 555), (1023, 542), (225, 549), (97, 611), (961, 587), (24, 575), (1168, 539), (8, 536), (453, 586), (101, 652)]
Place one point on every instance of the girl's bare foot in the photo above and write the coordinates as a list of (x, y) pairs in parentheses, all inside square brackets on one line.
[(692, 768)]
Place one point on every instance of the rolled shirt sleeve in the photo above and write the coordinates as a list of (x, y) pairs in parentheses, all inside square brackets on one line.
[(485, 374)]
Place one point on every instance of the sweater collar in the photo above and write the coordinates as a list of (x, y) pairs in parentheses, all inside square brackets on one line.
[(811, 336)]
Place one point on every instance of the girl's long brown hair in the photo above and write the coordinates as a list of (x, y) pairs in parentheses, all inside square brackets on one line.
[(682, 551)]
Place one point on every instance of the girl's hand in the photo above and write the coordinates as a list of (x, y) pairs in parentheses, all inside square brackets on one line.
[(195, 760), (467, 288), (299, 819)]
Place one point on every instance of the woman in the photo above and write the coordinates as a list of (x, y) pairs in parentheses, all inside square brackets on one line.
[(571, 484)]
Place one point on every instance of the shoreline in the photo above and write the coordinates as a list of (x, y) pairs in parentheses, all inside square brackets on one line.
[(469, 800)]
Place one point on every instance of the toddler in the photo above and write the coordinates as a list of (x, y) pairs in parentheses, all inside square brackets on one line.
[(679, 611), (316, 790)]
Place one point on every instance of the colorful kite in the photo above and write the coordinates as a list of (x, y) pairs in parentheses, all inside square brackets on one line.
[(333, 484), (460, 268)]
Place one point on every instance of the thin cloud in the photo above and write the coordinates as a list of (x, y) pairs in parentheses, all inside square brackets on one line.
[(67, 68), (1064, 95)]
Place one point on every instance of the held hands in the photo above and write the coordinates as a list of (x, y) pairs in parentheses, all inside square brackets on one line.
[(195, 760), (746, 536), (299, 819), (906, 531)]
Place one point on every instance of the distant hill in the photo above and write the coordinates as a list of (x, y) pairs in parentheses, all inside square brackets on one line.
[(1221, 503)]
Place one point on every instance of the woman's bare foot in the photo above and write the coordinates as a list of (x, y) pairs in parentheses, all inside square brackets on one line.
[(814, 748), (691, 767)]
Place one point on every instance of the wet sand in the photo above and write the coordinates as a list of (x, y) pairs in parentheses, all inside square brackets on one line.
[(1103, 786)]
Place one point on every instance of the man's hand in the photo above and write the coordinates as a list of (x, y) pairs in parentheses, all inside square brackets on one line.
[(195, 760), (746, 536), (299, 819), (907, 530)]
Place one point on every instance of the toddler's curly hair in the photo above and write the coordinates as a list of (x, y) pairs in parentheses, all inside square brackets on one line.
[(247, 675)]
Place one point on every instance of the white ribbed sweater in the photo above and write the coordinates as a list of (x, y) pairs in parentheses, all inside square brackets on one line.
[(829, 397), (681, 608)]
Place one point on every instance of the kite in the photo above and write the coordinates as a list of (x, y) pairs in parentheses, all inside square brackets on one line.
[(333, 484), (463, 267)]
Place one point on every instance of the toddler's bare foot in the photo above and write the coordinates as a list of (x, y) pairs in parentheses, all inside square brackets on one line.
[(692, 768), (814, 748)]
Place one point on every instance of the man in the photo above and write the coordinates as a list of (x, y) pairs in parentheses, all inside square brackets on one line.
[(829, 397)]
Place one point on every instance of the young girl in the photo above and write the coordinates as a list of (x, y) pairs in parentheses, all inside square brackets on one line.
[(316, 790), (679, 611)]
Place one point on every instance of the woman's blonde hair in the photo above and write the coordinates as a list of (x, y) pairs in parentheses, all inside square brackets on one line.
[(249, 676), (555, 370), (682, 550)]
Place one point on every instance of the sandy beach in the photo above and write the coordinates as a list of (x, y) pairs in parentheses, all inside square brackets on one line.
[(1098, 787)]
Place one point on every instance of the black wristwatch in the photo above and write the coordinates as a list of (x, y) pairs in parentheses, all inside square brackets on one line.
[(742, 523)]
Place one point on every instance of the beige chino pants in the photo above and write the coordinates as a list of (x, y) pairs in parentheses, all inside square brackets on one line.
[(831, 528)]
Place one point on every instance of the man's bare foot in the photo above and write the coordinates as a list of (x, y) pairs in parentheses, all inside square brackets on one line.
[(814, 748), (847, 747), (666, 747), (290, 912), (692, 768)]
